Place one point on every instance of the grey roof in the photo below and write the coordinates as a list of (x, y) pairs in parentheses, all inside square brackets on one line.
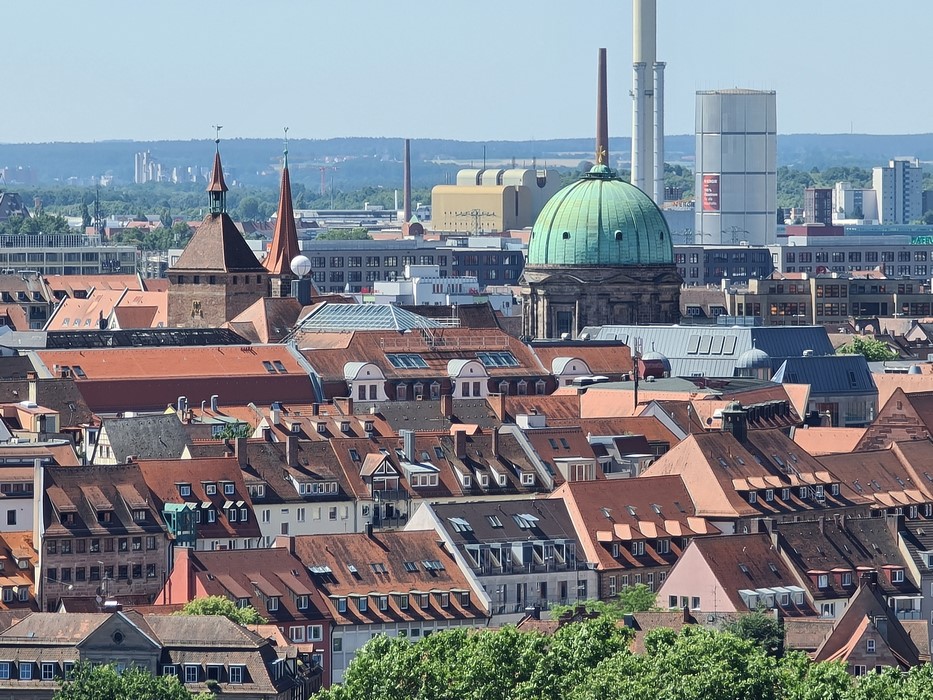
[(713, 351), (426, 415), (552, 520), (146, 437), (363, 317), (834, 375)]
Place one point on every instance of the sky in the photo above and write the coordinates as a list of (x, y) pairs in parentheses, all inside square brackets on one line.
[(469, 70)]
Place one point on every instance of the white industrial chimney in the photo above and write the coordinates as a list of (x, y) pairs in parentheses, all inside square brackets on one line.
[(648, 102)]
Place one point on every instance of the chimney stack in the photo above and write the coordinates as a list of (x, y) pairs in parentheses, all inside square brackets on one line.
[(447, 405), (495, 442), (602, 112), (460, 444), (291, 450), (240, 450), (406, 198), (735, 421)]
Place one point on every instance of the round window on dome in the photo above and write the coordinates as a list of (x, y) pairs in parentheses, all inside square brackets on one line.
[(618, 235), (565, 235)]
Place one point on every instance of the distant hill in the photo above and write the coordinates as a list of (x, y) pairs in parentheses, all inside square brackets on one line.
[(376, 161)]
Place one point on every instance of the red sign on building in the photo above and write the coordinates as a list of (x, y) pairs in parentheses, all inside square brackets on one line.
[(711, 193)]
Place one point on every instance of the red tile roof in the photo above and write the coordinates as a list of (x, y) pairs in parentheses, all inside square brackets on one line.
[(401, 566)]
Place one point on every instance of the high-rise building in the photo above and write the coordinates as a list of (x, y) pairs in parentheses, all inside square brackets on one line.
[(899, 190), (818, 205), (736, 166)]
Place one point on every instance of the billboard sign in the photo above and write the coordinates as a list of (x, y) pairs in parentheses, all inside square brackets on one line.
[(711, 192)]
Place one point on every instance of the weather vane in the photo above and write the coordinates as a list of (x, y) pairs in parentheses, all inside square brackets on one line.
[(217, 128)]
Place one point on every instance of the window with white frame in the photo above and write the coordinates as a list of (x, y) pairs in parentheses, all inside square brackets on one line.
[(897, 576), (191, 673), (4, 670), (272, 604), (48, 671), (870, 646), (25, 670), (302, 602), (822, 581), (638, 548), (236, 674), (170, 670), (297, 633), (315, 633)]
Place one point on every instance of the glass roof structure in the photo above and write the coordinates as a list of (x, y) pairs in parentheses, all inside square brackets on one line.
[(363, 317)]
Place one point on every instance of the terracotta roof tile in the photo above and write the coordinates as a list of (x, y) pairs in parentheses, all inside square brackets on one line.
[(217, 246), (285, 239)]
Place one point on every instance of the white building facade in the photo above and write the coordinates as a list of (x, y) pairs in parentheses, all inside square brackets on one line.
[(736, 166), (899, 190)]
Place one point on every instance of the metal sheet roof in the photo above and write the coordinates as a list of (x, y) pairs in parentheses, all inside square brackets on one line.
[(835, 375), (712, 351)]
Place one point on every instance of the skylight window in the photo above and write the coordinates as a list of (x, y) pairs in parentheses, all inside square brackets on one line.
[(461, 525), (525, 521), (378, 568), (411, 567), (407, 360), (497, 359), (494, 520)]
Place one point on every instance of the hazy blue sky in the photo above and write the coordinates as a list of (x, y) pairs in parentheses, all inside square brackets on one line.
[(467, 69)]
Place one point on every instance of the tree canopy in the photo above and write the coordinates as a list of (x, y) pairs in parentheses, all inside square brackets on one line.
[(220, 605), (345, 234), (873, 349), (631, 599), (593, 660), (88, 682)]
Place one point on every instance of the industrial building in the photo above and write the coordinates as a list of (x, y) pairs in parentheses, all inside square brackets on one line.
[(648, 102), (736, 166), (492, 200)]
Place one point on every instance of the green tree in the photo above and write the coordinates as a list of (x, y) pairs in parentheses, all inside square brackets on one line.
[(106, 683), (85, 215), (761, 629), (873, 349), (631, 599), (220, 605), (232, 431), (345, 234)]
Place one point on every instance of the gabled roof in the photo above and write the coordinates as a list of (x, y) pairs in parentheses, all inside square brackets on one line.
[(618, 510), (146, 437), (745, 562), (285, 239), (122, 487), (826, 441), (260, 573), (217, 246), (504, 521), (267, 320), (844, 544), (902, 417), (391, 564), (836, 375), (163, 477), (868, 615)]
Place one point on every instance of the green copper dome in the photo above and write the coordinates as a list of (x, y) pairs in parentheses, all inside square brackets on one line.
[(600, 220)]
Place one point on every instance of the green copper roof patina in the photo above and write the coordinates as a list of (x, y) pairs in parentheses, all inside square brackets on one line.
[(600, 220)]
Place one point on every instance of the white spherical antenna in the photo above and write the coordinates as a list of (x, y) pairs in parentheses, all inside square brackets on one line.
[(301, 265)]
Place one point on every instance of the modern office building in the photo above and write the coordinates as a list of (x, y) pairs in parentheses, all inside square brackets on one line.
[(65, 254), (711, 264), (898, 255), (736, 166), (818, 206), (856, 204), (899, 189)]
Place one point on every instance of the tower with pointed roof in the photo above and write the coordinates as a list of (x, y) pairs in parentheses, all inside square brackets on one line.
[(284, 246), (600, 252), (217, 276)]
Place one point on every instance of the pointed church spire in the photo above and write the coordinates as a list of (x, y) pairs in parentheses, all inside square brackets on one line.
[(284, 246), (602, 113), (217, 186)]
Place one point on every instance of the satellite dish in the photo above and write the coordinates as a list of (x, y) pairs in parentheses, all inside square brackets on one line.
[(301, 265)]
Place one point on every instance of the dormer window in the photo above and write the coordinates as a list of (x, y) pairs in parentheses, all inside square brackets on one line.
[(847, 579), (296, 427), (753, 497), (528, 479), (834, 489), (897, 576), (344, 426), (272, 604), (68, 518), (210, 489), (139, 516), (229, 488), (104, 516), (822, 581), (322, 427), (184, 490)]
